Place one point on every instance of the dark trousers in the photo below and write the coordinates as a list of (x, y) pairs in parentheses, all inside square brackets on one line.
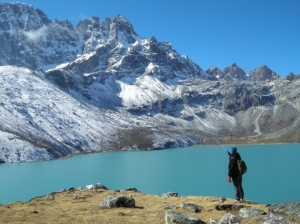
[(237, 183)]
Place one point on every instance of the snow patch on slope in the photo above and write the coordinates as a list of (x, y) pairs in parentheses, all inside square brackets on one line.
[(144, 91)]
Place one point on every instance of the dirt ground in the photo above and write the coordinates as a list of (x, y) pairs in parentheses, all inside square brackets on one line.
[(82, 206)]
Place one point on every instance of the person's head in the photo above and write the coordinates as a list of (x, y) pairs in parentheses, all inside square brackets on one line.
[(233, 150)]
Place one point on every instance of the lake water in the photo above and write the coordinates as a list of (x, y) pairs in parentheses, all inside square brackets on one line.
[(273, 174)]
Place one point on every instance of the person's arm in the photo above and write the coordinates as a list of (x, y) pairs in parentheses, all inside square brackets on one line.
[(231, 167)]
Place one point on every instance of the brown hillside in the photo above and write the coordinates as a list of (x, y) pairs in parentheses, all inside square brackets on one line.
[(82, 206)]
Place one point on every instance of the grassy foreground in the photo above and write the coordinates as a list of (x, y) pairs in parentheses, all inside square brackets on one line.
[(82, 206)]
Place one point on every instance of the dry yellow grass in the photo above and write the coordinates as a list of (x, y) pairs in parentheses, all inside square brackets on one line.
[(64, 208)]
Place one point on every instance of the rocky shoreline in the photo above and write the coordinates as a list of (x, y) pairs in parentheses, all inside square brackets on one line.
[(97, 204)]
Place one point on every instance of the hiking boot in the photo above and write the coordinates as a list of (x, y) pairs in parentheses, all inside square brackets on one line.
[(241, 200), (236, 201)]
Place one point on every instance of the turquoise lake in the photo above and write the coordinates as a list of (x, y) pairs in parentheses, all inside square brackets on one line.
[(273, 174)]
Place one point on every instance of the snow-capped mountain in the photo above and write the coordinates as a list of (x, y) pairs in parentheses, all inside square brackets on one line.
[(99, 86)]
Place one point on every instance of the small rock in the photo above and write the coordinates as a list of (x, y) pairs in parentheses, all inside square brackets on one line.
[(213, 221), (130, 189), (90, 187), (170, 194), (222, 199), (50, 196), (193, 207), (71, 189), (100, 186)]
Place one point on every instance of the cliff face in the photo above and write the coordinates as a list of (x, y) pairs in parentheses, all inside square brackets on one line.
[(29, 39)]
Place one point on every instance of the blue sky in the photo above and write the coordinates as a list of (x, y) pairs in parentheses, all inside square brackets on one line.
[(249, 33)]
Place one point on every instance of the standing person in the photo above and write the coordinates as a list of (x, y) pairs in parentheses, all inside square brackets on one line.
[(234, 174)]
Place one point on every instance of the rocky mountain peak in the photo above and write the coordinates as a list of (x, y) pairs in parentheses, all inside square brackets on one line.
[(89, 27), (114, 40), (66, 24), (123, 22), (263, 73), (153, 40), (122, 31), (93, 22), (29, 39), (19, 16), (215, 71), (234, 72), (290, 76)]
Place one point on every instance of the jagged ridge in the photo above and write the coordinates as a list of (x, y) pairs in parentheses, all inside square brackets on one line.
[(99, 86)]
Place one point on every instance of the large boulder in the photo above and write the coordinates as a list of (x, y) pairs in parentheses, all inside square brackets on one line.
[(113, 202), (286, 208), (229, 219), (276, 219), (249, 212), (173, 217)]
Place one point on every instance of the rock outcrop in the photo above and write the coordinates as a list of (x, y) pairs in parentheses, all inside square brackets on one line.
[(292, 208), (249, 212)]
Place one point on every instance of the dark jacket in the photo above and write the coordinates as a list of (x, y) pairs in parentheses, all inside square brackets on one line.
[(233, 170)]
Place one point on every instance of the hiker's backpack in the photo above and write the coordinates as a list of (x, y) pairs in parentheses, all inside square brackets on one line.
[(242, 166)]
